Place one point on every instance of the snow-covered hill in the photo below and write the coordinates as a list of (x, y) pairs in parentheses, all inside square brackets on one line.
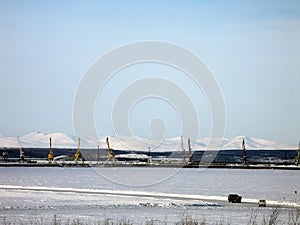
[(61, 140), (38, 139)]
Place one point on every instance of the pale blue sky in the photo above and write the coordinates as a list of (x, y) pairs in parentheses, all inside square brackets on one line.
[(252, 48)]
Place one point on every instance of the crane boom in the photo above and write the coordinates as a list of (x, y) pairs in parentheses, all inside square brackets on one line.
[(110, 154)]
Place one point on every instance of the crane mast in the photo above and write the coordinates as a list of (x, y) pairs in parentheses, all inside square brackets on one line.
[(110, 154), (78, 155), (190, 150), (244, 153), (50, 155)]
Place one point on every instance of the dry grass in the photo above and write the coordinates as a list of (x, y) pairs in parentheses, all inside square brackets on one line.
[(271, 219)]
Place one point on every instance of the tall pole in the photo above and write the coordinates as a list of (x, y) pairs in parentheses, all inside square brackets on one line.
[(78, 144), (149, 155), (183, 150), (244, 152), (98, 155), (78, 150), (190, 150), (21, 150)]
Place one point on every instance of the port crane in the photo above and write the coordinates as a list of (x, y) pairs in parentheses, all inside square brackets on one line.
[(110, 154), (21, 150), (78, 155), (184, 155), (244, 153), (51, 154)]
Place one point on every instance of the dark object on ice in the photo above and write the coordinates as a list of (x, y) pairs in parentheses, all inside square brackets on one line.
[(262, 203), (234, 198)]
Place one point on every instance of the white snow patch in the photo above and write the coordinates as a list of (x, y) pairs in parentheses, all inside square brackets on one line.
[(205, 199)]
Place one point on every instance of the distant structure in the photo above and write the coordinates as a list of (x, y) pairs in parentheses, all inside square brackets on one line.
[(21, 150), (98, 153), (244, 153), (183, 151), (298, 156), (78, 155), (5, 155), (190, 150), (110, 154), (149, 155), (50, 155)]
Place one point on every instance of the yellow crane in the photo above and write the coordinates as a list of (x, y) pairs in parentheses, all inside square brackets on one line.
[(78, 155), (110, 154), (50, 155)]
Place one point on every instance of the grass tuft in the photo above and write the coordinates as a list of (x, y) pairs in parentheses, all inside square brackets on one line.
[(271, 219)]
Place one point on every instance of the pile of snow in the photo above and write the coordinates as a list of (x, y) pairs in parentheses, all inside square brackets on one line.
[(61, 140)]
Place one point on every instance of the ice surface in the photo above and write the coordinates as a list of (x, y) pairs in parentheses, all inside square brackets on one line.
[(115, 193), (171, 198)]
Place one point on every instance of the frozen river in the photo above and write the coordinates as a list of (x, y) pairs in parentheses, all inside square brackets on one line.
[(140, 194)]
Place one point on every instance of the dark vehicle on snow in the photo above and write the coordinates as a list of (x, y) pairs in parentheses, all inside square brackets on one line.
[(262, 203), (234, 198)]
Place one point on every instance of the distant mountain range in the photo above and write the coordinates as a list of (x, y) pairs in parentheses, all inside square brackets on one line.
[(61, 140)]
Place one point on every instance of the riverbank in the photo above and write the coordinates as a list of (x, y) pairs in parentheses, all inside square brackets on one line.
[(44, 163)]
